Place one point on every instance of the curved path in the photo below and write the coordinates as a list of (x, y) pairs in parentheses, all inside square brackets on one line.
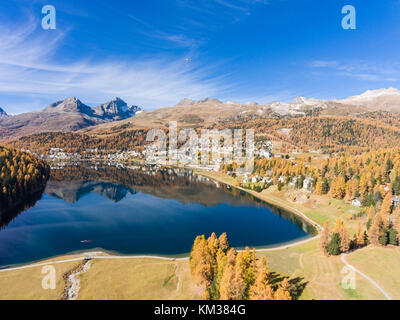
[(90, 256), (387, 296), (93, 255)]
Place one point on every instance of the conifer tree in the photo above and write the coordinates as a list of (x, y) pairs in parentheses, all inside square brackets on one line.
[(396, 222), (359, 236), (223, 242), (386, 208), (202, 262), (334, 244), (325, 238), (383, 237), (371, 212), (261, 289), (393, 237), (344, 238), (318, 187), (283, 292), (374, 231), (232, 284)]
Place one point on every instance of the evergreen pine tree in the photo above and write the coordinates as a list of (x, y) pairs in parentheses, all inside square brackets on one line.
[(383, 238), (392, 237), (334, 245)]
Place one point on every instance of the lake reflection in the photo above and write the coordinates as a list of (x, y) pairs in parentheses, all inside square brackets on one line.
[(139, 211)]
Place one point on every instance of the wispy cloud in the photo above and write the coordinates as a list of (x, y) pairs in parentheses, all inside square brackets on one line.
[(233, 10), (29, 67), (361, 70)]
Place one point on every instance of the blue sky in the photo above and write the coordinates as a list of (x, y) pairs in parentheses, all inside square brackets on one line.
[(238, 50)]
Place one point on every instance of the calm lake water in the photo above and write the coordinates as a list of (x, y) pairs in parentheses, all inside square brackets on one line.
[(142, 211)]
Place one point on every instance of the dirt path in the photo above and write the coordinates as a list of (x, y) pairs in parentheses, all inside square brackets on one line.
[(387, 296), (72, 285)]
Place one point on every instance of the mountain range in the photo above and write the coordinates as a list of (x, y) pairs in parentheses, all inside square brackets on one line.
[(66, 115), (211, 112), (72, 115)]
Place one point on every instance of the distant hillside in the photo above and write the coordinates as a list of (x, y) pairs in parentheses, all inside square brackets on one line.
[(116, 117), (329, 134), (376, 100), (211, 112), (66, 115), (304, 124)]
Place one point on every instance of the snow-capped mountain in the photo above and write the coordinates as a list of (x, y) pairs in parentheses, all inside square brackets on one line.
[(376, 100)]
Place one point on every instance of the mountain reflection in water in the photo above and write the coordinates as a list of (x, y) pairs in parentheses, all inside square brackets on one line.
[(140, 210)]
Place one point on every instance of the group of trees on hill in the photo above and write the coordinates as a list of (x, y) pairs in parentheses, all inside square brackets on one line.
[(79, 142), (384, 225), (370, 176), (230, 275), (21, 174), (382, 228), (331, 134), (373, 177), (337, 241)]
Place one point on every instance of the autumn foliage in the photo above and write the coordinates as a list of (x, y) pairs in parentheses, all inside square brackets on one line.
[(230, 275), (21, 174)]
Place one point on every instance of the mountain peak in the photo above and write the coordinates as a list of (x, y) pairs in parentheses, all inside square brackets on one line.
[(71, 104), (209, 100), (189, 102), (116, 109), (371, 95), (3, 113), (186, 101)]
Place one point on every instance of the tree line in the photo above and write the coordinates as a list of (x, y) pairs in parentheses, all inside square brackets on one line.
[(226, 274), (370, 176), (381, 229), (21, 174), (330, 134)]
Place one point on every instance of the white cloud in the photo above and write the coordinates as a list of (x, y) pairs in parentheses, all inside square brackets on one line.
[(385, 71), (28, 67)]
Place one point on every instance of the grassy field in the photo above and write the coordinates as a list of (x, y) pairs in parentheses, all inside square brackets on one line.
[(26, 284), (138, 279), (382, 265), (150, 278), (322, 275)]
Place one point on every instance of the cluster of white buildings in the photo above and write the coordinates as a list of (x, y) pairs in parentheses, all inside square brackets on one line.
[(307, 182), (60, 154)]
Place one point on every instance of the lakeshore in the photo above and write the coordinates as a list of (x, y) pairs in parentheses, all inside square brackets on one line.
[(300, 259)]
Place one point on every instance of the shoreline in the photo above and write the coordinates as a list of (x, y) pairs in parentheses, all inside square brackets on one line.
[(112, 255), (265, 199)]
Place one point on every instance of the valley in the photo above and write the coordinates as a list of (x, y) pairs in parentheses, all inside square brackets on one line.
[(329, 168)]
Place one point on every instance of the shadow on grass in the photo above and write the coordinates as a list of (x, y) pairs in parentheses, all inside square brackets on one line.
[(297, 285)]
